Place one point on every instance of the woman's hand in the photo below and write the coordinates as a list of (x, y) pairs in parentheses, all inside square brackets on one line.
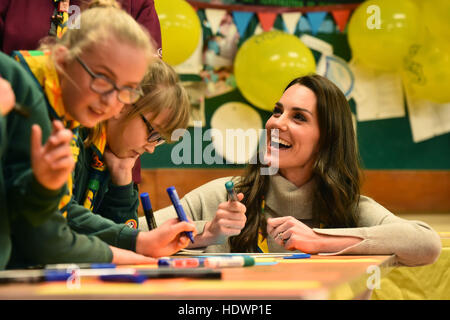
[(120, 169), (292, 234), (229, 221), (53, 162), (165, 240)]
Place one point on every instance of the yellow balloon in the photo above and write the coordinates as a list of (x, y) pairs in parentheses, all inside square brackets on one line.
[(180, 30), (380, 32), (266, 63), (436, 14), (426, 70)]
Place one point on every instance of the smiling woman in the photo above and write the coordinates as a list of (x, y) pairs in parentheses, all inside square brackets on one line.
[(313, 204)]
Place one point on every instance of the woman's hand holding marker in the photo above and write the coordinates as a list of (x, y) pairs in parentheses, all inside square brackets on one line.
[(229, 220)]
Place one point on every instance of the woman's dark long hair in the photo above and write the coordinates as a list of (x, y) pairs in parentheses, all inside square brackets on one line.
[(336, 170)]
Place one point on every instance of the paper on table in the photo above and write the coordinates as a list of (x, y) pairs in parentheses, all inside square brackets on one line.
[(378, 95), (362, 260), (427, 119)]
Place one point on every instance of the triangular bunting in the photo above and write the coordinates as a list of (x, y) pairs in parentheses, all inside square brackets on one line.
[(258, 29), (327, 26), (267, 19), (291, 20), (215, 17), (341, 18), (303, 24), (242, 19), (315, 20)]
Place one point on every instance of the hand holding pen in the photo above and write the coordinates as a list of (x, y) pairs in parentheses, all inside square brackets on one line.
[(229, 220), (165, 240)]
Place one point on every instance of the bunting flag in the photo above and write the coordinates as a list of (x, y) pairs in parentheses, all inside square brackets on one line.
[(327, 27), (341, 18), (215, 17), (258, 29), (315, 20), (267, 19), (242, 19), (303, 25), (291, 21)]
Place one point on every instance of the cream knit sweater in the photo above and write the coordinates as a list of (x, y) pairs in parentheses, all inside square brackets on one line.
[(413, 242)]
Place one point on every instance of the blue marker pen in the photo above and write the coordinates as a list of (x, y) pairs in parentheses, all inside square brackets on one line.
[(230, 190), (148, 211), (179, 208)]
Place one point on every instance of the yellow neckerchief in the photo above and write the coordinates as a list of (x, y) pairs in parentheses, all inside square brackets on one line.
[(60, 18), (43, 69), (262, 241), (97, 170)]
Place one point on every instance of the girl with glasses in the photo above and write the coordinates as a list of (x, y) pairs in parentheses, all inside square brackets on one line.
[(87, 77), (104, 184), (312, 202)]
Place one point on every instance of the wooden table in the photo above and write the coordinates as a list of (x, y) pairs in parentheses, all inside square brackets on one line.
[(320, 277)]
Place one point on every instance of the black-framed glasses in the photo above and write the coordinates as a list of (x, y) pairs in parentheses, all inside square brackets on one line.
[(153, 136), (103, 85)]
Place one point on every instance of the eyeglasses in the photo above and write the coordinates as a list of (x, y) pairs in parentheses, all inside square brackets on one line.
[(103, 85), (154, 136)]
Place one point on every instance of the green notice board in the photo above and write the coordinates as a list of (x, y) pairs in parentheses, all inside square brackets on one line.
[(383, 144)]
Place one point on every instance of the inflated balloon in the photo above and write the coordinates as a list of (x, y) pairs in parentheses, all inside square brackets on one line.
[(436, 14), (266, 63), (426, 70), (180, 30), (380, 32)]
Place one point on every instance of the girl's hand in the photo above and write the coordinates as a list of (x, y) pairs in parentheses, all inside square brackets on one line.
[(53, 162), (229, 220), (120, 169), (7, 97), (122, 256), (165, 240)]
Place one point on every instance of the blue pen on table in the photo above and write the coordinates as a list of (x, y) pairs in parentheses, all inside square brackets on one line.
[(148, 211), (179, 209), (298, 256), (229, 185)]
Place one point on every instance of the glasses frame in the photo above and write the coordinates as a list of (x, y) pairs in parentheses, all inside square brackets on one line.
[(138, 91), (152, 132)]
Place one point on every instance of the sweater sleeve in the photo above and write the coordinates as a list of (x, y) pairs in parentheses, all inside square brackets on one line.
[(55, 242), (413, 242), (25, 195), (84, 221), (120, 203)]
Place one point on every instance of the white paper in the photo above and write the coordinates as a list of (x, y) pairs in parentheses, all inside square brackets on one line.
[(321, 46), (378, 95), (427, 119)]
